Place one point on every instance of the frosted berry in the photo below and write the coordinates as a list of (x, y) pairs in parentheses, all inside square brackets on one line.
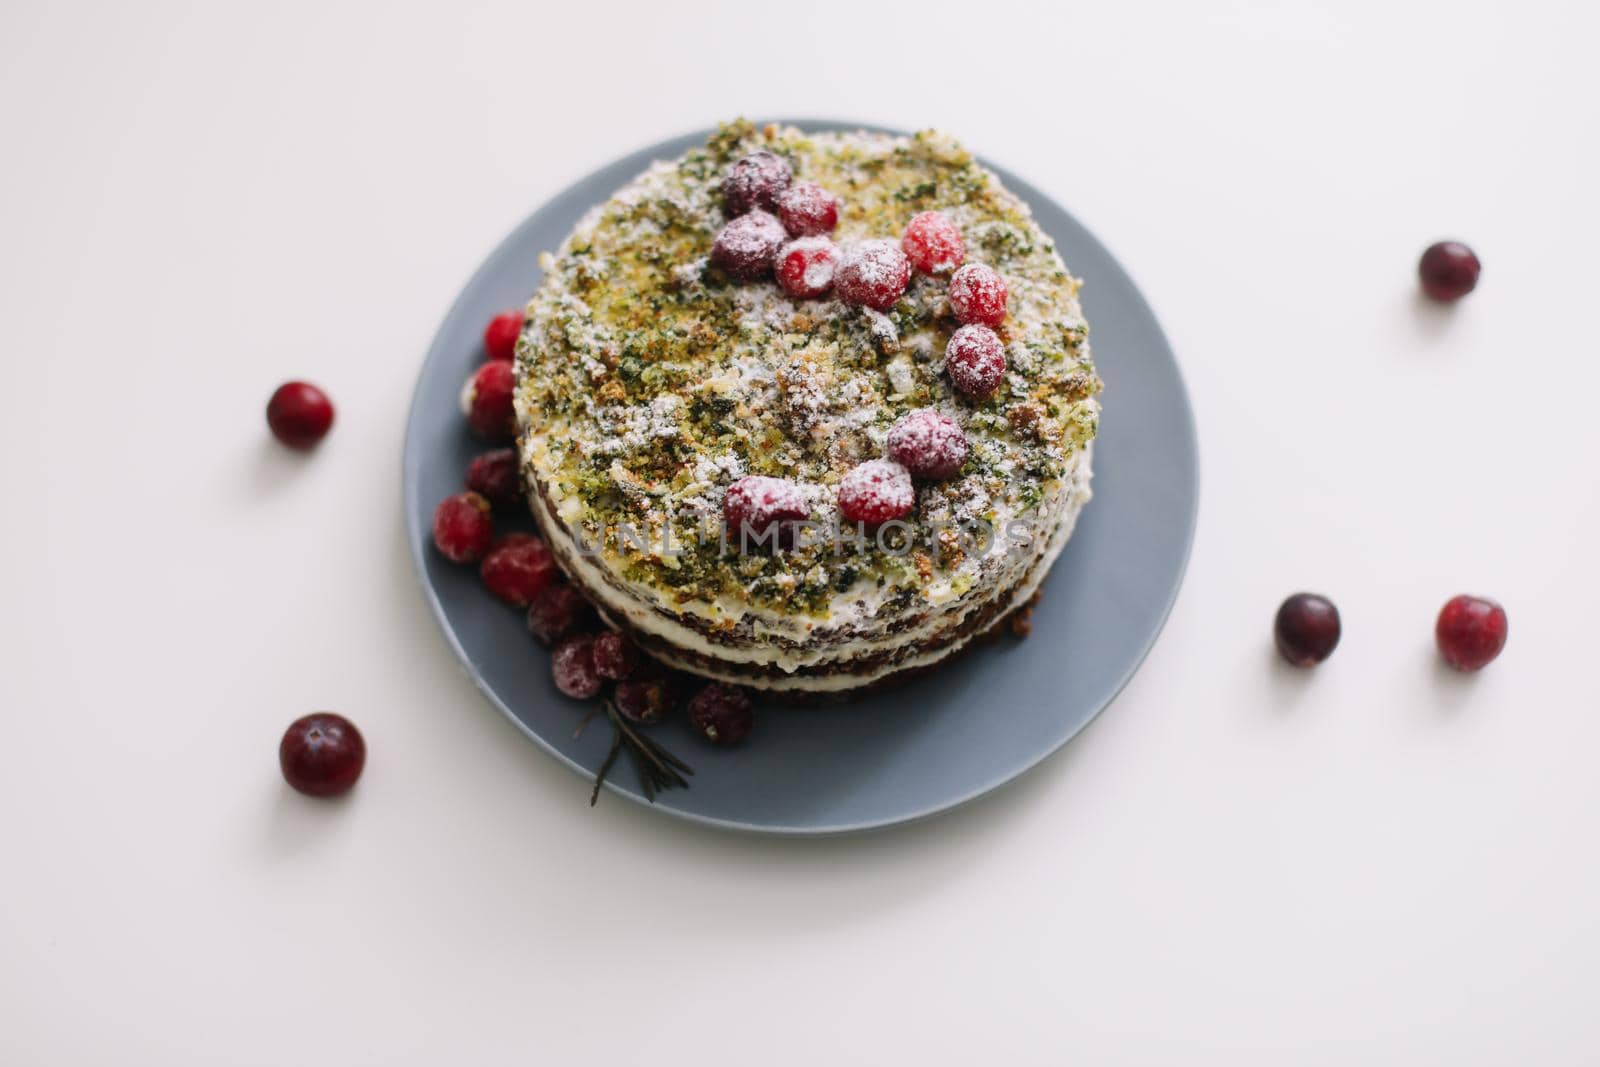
[(976, 361), (500, 336), (646, 700), (1449, 271), (322, 754), (572, 667), (299, 414), (806, 208), (805, 267), (1306, 629), (462, 528), (559, 612), (722, 714), (928, 444), (758, 501), (873, 273), (615, 656), (755, 182), (875, 492), (933, 243), (978, 295), (517, 568), (1471, 631), (746, 246), (494, 476), (486, 402)]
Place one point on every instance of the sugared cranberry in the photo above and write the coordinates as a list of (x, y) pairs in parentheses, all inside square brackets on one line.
[(486, 401), (757, 502), (806, 208), (928, 444), (494, 476), (462, 528), (615, 656), (518, 568), (978, 295), (1449, 271), (875, 492), (805, 267), (755, 182), (975, 360), (933, 244), (746, 246), (722, 714), (559, 612), (1306, 629), (646, 700), (299, 414), (500, 336), (572, 667), (1471, 631), (322, 754), (874, 273)]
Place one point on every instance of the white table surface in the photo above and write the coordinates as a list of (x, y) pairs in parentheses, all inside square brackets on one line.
[(1378, 863)]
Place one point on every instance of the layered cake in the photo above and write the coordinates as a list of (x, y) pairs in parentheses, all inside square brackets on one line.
[(807, 412)]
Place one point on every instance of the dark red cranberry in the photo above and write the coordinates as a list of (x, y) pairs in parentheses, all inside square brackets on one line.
[(322, 754), (805, 267), (875, 492), (722, 714), (615, 656), (299, 414), (518, 568), (975, 359), (646, 700), (572, 666), (462, 528), (978, 295), (1306, 629), (755, 182), (500, 336), (928, 444), (1449, 271), (806, 208), (559, 612), (746, 246), (873, 273), (757, 502), (933, 243), (1471, 632), (495, 477), (487, 402)]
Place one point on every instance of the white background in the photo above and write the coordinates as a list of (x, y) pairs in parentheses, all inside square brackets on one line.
[(1378, 862)]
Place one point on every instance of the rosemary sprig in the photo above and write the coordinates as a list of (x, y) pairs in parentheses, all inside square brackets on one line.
[(659, 770)]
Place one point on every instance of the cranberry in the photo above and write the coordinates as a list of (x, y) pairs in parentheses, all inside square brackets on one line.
[(500, 336), (572, 666), (518, 568), (494, 476), (722, 714), (1449, 271), (757, 502), (745, 247), (978, 295), (755, 182), (1306, 629), (615, 656), (1471, 632), (559, 612), (486, 401), (322, 754), (806, 208), (928, 444), (805, 267), (933, 243), (462, 528), (875, 492), (645, 700), (873, 273), (975, 360), (299, 414)]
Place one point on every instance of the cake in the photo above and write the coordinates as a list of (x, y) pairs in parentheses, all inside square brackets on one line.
[(922, 461)]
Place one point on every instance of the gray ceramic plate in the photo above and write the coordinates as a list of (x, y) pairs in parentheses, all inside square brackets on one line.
[(918, 750)]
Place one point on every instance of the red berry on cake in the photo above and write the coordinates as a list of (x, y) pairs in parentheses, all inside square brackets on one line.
[(494, 475), (978, 295), (805, 267), (500, 336), (975, 360), (873, 273), (1471, 631), (462, 528), (486, 402), (299, 414), (875, 492), (572, 667), (759, 501), (722, 714), (806, 209), (928, 444), (933, 243), (755, 182), (746, 246), (518, 568), (559, 612), (615, 656)]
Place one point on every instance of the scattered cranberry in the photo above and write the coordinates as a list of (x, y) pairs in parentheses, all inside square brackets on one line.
[(978, 295), (559, 612), (746, 246), (875, 492), (462, 528), (495, 477), (873, 273), (975, 360), (757, 502), (486, 401), (806, 209), (928, 444), (518, 568), (755, 182), (933, 244), (615, 656), (805, 267), (1306, 629), (299, 414), (572, 666), (646, 700), (1471, 632), (322, 754), (500, 336), (722, 714), (1449, 271)]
